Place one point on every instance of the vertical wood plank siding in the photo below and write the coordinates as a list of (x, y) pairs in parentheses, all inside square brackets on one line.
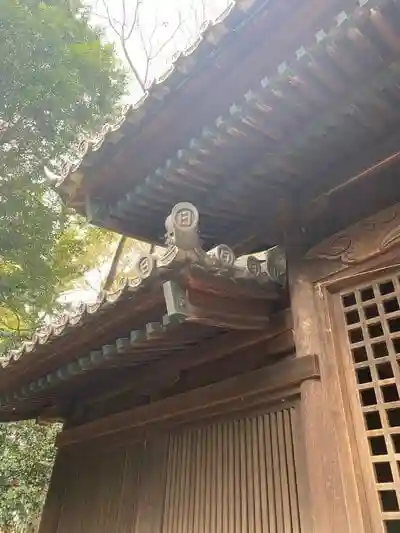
[(100, 493), (234, 476)]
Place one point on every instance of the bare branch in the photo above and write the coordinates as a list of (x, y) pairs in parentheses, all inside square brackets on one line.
[(135, 19), (120, 32), (153, 44), (114, 264), (123, 17), (110, 19), (169, 39), (132, 65)]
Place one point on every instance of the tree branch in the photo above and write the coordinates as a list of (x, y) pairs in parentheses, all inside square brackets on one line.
[(132, 65), (114, 264), (135, 19), (168, 40)]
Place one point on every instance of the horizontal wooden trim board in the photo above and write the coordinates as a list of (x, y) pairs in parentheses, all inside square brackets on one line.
[(151, 377), (284, 375)]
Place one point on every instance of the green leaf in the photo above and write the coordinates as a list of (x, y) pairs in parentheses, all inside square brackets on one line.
[(57, 81)]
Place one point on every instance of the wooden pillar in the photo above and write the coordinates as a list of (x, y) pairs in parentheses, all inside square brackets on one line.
[(333, 504)]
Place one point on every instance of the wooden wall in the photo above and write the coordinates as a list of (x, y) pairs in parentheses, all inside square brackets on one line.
[(346, 308), (234, 474)]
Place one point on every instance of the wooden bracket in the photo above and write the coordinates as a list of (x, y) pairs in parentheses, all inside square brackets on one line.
[(176, 300)]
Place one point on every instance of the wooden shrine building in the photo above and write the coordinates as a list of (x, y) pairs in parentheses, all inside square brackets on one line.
[(248, 379)]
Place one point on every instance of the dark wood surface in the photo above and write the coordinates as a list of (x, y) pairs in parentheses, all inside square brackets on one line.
[(321, 411), (277, 335), (235, 473), (358, 294), (136, 326), (286, 375), (325, 103), (332, 475), (361, 262)]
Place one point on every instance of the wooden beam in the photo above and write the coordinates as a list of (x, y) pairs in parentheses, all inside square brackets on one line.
[(325, 424), (372, 178), (168, 368), (77, 341), (242, 362), (50, 415), (285, 375), (222, 320), (204, 282), (226, 311)]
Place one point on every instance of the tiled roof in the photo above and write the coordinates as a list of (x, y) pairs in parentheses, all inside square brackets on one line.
[(211, 35), (183, 263), (319, 103)]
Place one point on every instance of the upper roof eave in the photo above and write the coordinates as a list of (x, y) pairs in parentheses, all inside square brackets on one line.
[(138, 211), (212, 35)]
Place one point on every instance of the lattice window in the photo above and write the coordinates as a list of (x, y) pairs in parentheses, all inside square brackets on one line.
[(372, 317)]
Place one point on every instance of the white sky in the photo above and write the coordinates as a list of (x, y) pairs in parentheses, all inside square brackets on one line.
[(156, 21)]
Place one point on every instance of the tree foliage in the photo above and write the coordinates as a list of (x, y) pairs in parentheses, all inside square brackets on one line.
[(57, 81), (26, 458)]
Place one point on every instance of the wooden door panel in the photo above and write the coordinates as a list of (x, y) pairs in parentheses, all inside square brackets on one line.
[(235, 476)]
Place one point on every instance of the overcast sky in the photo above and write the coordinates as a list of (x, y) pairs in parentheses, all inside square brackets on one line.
[(157, 21)]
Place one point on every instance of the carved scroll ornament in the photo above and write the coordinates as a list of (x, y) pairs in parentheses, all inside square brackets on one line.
[(366, 239)]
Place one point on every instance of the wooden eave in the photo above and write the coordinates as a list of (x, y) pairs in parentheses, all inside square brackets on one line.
[(337, 100), (315, 86), (178, 300)]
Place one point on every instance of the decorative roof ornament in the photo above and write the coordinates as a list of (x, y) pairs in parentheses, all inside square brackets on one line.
[(184, 244), (177, 270), (182, 226), (183, 253)]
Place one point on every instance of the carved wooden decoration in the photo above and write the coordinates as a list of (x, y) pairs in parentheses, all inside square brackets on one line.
[(363, 241)]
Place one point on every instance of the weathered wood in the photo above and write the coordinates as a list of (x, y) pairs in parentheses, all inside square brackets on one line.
[(240, 313), (367, 239), (55, 496), (202, 281), (152, 474), (284, 375), (375, 191), (323, 417), (218, 475), (265, 353), (216, 472), (166, 370), (366, 315), (214, 308), (51, 415)]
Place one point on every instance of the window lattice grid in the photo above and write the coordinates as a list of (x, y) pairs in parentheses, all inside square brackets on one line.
[(372, 318)]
